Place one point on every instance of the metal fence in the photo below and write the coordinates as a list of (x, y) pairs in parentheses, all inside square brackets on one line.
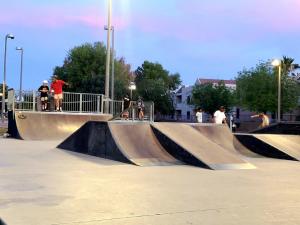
[(72, 102), (148, 111)]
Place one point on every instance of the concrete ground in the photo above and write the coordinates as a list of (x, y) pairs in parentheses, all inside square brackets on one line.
[(41, 185)]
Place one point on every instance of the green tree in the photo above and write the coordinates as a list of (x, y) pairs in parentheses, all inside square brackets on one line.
[(210, 97), (257, 89), (84, 70), (154, 83)]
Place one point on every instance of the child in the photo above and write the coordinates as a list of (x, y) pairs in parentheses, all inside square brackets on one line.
[(44, 89)]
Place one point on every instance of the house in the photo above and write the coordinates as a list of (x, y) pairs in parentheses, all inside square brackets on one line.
[(184, 110)]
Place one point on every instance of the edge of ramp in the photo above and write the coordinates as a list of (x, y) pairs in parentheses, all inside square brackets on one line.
[(262, 148), (182, 153), (95, 139)]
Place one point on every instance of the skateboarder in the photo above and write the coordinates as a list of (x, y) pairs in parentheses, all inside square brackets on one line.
[(140, 107), (199, 116), (56, 88), (264, 119), (219, 116), (127, 104), (44, 89)]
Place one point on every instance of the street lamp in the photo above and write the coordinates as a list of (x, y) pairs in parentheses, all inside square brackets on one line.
[(112, 62), (277, 63), (21, 72), (132, 87), (8, 36), (107, 57)]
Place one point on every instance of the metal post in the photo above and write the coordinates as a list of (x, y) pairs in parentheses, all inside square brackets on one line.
[(98, 103), (113, 69), (80, 103), (108, 56), (279, 93), (4, 75), (113, 64), (21, 75), (102, 103), (33, 100)]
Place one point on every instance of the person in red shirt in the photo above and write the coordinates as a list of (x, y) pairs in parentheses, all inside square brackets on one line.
[(56, 88)]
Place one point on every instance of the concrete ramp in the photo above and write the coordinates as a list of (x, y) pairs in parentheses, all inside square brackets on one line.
[(189, 145), (52, 125), (221, 135), (129, 142), (273, 145), (138, 144)]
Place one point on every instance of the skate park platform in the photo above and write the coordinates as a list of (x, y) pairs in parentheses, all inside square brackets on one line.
[(144, 144), (281, 146), (48, 125)]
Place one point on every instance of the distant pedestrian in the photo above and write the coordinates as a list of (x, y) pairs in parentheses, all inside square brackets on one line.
[(127, 104), (265, 121), (44, 90), (57, 89), (141, 108), (199, 116), (219, 116)]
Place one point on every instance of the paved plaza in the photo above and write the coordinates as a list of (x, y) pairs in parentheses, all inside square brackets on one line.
[(42, 185)]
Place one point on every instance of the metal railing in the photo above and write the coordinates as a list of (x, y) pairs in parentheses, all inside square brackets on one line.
[(148, 110), (72, 102)]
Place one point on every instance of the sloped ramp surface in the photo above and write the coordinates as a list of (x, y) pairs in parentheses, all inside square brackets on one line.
[(221, 135), (273, 145), (51, 125), (139, 145), (190, 146), (127, 142)]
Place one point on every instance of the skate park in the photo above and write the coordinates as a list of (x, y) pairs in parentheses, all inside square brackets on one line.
[(145, 112), (101, 162)]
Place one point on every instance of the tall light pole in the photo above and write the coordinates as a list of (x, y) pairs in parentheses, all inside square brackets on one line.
[(112, 91), (21, 72), (107, 56), (8, 36), (277, 63)]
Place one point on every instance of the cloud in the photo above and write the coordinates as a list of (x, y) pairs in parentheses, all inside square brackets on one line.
[(54, 17)]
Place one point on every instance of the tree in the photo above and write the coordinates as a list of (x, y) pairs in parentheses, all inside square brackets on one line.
[(210, 97), (84, 70), (257, 89), (154, 83)]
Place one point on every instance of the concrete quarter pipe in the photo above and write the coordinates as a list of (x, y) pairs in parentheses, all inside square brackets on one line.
[(273, 145), (221, 135), (190, 146), (138, 143), (50, 125), (130, 142)]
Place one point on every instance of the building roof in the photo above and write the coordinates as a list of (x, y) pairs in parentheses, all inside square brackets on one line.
[(214, 81)]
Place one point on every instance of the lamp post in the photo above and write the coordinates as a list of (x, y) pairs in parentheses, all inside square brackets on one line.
[(277, 63), (112, 29), (107, 57), (8, 36), (21, 72), (132, 87)]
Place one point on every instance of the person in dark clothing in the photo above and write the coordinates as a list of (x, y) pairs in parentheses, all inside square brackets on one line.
[(140, 107), (44, 89), (127, 103)]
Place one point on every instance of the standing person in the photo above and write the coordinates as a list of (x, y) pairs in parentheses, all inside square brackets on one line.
[(44, 89), (56, 88), (127, 103), (140, 107), (264, 119), (219, 116), (199, 116)]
